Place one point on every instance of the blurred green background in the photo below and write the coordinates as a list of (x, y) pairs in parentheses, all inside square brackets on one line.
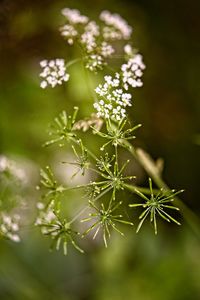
[(142, 267)]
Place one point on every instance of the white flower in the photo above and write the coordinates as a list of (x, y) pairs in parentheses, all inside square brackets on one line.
[(9, 227), (94, 62), (128, 50), (69, 32), (132, 72), (13, 168), (44, 215), (40, 205), (88, 38), (4, 163), (106, 49), (14, 237), (74, 16), (112, 99), (117, 27), (54, 72)]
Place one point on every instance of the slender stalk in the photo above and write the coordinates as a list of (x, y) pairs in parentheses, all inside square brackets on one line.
[(143, 190), (72, 62)]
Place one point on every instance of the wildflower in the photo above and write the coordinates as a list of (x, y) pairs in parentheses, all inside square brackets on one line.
[(113, 100), (13, 168), (132, 72), (94, 62), (62, 128), (54, 72), (129, 51), (69, 32), (46, 215), (9, 227), (117, 27), (95, 52), (106, 49), (88, 38), (104, 219), (3, 163), (112, 179), (81, 162), (50, 184), (156, 205), (104, 163), (59, 230), (117, 135), (92, 191), (74, 16)]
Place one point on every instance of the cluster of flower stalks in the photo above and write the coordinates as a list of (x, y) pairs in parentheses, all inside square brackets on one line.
[(104, 211)]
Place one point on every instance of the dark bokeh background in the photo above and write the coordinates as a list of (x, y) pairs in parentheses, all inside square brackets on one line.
[(140, 267)]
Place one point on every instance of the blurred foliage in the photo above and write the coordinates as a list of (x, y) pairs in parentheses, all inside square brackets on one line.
[(141, 266)]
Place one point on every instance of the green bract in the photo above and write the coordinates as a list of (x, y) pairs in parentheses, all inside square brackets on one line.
[(62, 128), (104, 220), (156, 206)]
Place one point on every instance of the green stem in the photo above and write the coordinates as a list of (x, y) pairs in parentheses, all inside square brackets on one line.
[(143, 190), (72, 62)]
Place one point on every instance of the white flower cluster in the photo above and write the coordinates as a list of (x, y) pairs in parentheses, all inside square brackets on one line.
[(94, 62), (54, 72), (88, 38), (117, 27), (112, 99), (132, 71), (74, 16), (106, 49), (8, 165), (47, 220), (96, 53), (128, 50), (45, 216), (69, 32), (9, 227), (93, 38)]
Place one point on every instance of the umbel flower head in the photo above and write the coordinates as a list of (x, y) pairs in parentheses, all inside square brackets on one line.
[(54, 72), (9, 227), (113, 177), (156, 205), (117, 134), (104, 220), (53, 226), (112, 99), (132, 71), (62, 129), (74, 16), (116, 27), (81, 162), (94, 39)]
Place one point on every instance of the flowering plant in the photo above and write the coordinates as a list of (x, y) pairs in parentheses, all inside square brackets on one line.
[(104, 211), (112, 99)]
